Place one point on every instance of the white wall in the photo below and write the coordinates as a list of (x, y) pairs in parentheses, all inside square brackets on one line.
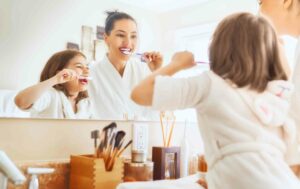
[(44, 139), (211, 11), (32, 30)]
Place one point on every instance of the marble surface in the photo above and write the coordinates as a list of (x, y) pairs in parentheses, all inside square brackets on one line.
[(57, 180), (60, 178)]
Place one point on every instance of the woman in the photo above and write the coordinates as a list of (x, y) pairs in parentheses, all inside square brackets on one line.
[(285, 16), (120, 70)]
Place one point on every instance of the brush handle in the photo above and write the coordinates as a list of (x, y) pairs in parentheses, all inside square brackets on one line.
[(123, 149)]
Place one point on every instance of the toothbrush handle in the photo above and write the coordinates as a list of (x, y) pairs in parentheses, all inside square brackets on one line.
[(201, 62)]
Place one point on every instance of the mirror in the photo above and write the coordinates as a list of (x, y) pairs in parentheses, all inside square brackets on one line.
[(32, 31)]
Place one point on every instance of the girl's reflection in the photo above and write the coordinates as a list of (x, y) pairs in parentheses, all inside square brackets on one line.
[(61, 92)]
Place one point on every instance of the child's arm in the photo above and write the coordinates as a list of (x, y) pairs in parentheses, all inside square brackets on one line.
[(28, 96), (143, 93)]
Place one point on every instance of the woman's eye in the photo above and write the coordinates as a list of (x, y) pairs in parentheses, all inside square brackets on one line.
[(120, 35), (133, 37)]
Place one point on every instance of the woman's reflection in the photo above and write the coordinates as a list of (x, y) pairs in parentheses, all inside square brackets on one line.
[(120, 70), (61, 92)]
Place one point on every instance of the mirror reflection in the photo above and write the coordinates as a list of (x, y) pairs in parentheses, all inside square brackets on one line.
[(48, 81)]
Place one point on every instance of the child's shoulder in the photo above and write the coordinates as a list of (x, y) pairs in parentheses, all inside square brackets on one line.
[(218, 81), (280, 88)]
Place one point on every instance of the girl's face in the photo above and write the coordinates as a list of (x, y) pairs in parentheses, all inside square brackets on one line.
[(122, 40), (80, 66)]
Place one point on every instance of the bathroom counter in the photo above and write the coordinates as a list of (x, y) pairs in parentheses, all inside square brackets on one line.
[(57, 180)]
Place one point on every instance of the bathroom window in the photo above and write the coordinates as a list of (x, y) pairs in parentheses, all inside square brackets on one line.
[(195, 39)]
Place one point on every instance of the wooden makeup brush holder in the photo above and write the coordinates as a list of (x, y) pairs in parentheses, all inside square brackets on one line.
[(166, 162), (89, 172)]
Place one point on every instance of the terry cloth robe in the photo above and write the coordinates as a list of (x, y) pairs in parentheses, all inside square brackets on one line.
[(55, 104), (110, 92), (295, 106), (241, 150)]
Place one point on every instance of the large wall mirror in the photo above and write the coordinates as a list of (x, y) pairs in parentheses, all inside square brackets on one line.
[(31, 31)]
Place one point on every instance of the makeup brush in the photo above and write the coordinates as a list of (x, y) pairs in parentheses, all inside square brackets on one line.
[(117, 146), (95, 136), (101, 145), (107, 131), (104, 138), (108, 151), (124, 148)]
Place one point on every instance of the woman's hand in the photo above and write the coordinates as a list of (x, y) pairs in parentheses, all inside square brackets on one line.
[(66, 75), (154, 60), (203, 183), (183, 60)]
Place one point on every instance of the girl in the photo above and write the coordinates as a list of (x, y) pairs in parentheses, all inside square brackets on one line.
[(120, 70), (61, 92), (242, 104)]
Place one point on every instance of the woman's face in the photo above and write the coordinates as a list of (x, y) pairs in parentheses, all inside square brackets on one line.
[(273, 10), (80, 66), (278, 13), (122, 40), (283, 58)]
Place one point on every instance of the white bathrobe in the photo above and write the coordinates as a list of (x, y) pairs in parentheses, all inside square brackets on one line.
[(295, 104), (242, 148), (110, 92), (55, 104)]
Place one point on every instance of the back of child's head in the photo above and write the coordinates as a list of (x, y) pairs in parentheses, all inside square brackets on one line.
[(58, 62), (245, 50)]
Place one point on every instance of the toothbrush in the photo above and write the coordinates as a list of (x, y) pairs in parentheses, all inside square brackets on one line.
[(201, 62), (80, 77), (142, 59), (85, 77), (141, 55)]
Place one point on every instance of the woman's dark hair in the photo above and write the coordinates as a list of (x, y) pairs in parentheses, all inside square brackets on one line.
[(245, 50), (112, 17), (58, 62)]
